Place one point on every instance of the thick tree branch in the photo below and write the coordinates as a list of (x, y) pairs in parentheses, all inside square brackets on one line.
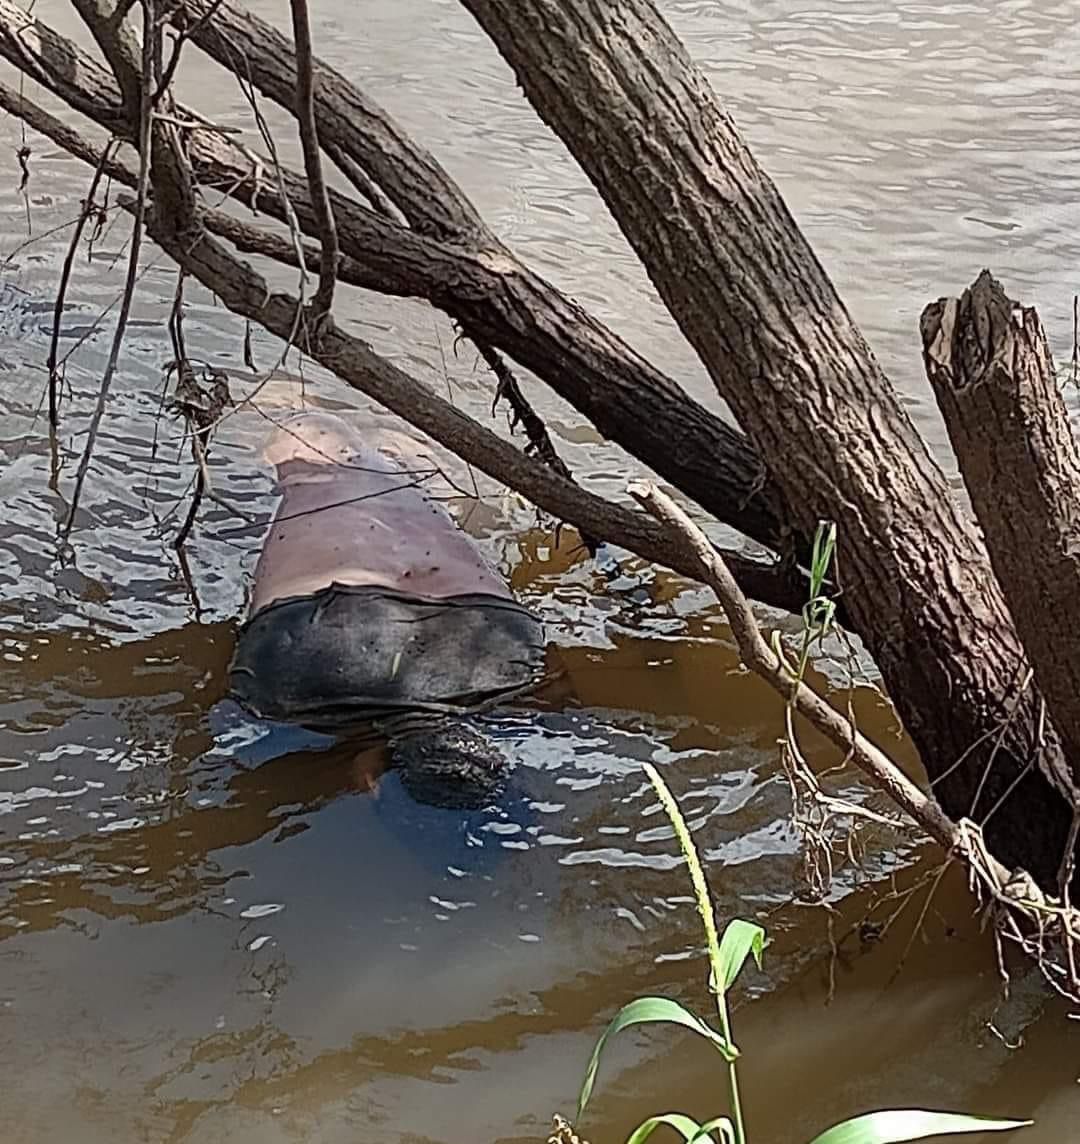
[(499, 300), (749, 294), (773, 584), (410, 176), (64, 69), (107, 22), (993, 376), (245, 292), (487, 291)]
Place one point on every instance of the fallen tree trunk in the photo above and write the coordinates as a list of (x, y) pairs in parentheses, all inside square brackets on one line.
[(993, 376), (748, 293)]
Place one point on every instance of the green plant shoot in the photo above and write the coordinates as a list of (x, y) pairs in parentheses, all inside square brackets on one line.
[(727, 955)]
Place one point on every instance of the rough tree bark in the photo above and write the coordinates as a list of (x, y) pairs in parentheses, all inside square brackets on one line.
[(993, 376), (474, 278), (825, 436), (777, 584), (448, 256), (749, 294)]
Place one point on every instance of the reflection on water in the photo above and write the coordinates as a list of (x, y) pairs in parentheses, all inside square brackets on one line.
[(213, 929)]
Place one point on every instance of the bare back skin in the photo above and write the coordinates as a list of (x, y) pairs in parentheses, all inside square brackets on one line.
[(355, 511)]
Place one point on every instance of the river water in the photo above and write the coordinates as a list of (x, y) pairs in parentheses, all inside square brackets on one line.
[(213, 931)]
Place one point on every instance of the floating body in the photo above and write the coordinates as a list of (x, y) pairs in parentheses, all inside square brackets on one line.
[(371, 607)]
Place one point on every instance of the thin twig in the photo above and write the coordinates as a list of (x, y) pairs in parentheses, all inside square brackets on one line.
[(88, 209), (377, 198), (760, 658), (151, 33), (521, 412), (309, 141), (169, 71), (1018, 908)]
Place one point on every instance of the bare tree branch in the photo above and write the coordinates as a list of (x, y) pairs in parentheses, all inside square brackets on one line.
[(248, 46), (744, 285), (245, 292), (492, 295), (755, 652), (118, 42), (778, 585), (487, 292), (1044, 927), (309, 141)]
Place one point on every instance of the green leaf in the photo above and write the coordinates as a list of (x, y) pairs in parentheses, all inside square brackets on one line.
[(900, 1124), (645, 1011), (740, 939), (821, 557), (686, 1126), (719, 1123)]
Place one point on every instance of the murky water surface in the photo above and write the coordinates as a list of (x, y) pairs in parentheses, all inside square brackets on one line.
[(210, 930)]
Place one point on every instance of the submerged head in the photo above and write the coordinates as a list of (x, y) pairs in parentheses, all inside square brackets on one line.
[(449, 764)]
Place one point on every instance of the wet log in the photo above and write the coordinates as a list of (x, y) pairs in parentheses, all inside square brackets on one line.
[(993, 376), (748, 292)]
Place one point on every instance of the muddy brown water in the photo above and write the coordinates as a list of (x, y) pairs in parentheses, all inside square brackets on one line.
[(210, 930)]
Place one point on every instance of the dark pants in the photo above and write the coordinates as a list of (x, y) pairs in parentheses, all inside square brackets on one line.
[(345, 656)]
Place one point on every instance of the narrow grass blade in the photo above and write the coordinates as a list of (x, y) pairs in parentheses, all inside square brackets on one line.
[(897, 1125), (645, 1011), (741, 938), (821, 557), (686, 1126)]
